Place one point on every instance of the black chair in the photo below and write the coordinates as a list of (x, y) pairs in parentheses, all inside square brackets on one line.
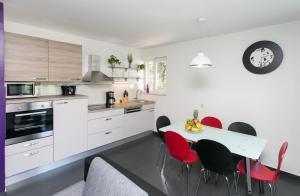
[(241, 127), (161, 121), (217, 158)]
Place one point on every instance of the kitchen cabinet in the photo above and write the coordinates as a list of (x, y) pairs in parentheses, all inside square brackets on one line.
[(65, 61), (70, 127), (28, 155), (148, 116), (105, 127), (140, 121), (26, 58)]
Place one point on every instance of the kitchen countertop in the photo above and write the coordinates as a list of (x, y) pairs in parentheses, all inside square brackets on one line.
[(130, 104), (45, 98)]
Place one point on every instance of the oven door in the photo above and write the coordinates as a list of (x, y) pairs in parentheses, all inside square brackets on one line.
[(28, 125)]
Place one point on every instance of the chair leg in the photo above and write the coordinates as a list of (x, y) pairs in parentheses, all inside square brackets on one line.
[(217, 178), (271, 189), (161, 153), (228, 185), (198, 184), (167, 162), (187, 178)]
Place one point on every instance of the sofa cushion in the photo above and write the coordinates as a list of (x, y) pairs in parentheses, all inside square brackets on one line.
[(103, 179)]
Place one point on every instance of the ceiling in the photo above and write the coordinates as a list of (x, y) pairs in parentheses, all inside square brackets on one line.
[(145, 23)]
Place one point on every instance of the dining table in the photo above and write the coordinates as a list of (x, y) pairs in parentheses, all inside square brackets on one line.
[(250, 147)]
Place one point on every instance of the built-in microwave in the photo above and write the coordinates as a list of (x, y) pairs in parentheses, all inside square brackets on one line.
[(20, 90)]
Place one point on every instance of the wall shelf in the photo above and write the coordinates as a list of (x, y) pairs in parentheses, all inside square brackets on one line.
[(125, 68), (125, 78)]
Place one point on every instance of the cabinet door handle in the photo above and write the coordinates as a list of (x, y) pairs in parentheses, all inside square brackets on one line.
[(31, 154), (109, 132), (31, 144), (39, 78), (107, 119), (63, 102)]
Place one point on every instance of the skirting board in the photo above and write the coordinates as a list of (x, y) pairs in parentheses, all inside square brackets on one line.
[(25, 175)]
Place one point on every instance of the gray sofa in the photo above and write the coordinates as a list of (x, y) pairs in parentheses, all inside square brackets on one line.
[(103, 179)]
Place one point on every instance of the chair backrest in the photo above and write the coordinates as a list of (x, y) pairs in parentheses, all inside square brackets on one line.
[(215, 157), (241, 127), (212, 122), (281, 155), (177, 145), (162, 121)]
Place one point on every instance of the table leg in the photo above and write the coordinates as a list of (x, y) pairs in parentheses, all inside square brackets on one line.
[(248, 177), (261, 187)]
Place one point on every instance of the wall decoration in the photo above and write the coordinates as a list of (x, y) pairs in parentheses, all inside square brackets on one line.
[(262, 57)]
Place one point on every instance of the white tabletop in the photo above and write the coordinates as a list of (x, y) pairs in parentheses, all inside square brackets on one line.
[(241, 144)]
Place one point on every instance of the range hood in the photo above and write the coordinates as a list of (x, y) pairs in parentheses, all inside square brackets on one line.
[(93, 73)]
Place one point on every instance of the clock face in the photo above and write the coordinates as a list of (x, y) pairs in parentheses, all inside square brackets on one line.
[(262, 57)]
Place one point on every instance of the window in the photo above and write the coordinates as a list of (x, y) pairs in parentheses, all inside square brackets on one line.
[(156, 75)]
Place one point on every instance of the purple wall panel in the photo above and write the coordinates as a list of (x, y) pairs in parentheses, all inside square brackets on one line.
[(2, 102)]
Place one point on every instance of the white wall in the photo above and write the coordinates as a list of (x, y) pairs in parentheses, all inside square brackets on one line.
[(96, 93), (227, 90)]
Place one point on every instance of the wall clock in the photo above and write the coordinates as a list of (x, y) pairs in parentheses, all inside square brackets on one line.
[(262, 57)]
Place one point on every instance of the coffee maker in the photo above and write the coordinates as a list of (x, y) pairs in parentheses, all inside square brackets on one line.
[(110, 99)]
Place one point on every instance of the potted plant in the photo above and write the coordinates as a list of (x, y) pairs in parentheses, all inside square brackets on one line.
[(113, 60), (129, 59), (141, 66)]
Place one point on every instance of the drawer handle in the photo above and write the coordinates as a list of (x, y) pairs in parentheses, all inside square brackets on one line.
[(109, 132), (108, 119), (76, 79), (31, 154), (39, 78), (31, 144), (64, 102)]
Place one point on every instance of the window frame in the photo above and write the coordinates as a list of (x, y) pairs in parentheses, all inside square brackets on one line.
[(155, 62)]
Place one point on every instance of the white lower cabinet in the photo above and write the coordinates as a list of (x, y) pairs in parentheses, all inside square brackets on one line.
[(70, 127), (105, 137), (138, 122), (105, 127), (149, 119), (28, 155)]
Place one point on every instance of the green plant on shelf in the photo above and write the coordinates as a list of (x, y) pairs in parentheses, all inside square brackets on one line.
[(141, 66), (129, 59), (113, 60)]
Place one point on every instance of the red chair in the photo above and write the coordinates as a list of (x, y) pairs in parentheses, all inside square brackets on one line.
[(212, 122), (179, 149), (263, 173)]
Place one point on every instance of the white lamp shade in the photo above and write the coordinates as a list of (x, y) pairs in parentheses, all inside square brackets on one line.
[(200, 61)]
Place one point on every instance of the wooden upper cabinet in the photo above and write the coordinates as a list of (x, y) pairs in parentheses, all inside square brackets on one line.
[(65, 61), (25, 58)]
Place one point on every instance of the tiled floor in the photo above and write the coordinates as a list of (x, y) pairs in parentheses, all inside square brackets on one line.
[(140, 158)]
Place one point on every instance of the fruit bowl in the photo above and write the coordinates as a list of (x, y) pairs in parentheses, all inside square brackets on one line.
[(193, 126)]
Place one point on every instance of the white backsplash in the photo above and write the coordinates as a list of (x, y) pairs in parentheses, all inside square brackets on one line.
[(96, 93)]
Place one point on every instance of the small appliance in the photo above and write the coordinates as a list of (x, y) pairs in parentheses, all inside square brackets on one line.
[(20, 90), (68, 90), (110, 99)]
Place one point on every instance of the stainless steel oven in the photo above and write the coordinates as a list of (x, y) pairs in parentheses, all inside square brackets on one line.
[(28, 121), (20, 90)]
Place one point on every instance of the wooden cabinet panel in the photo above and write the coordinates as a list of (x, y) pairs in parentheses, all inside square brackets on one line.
[(26, 58), (65, 61)]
